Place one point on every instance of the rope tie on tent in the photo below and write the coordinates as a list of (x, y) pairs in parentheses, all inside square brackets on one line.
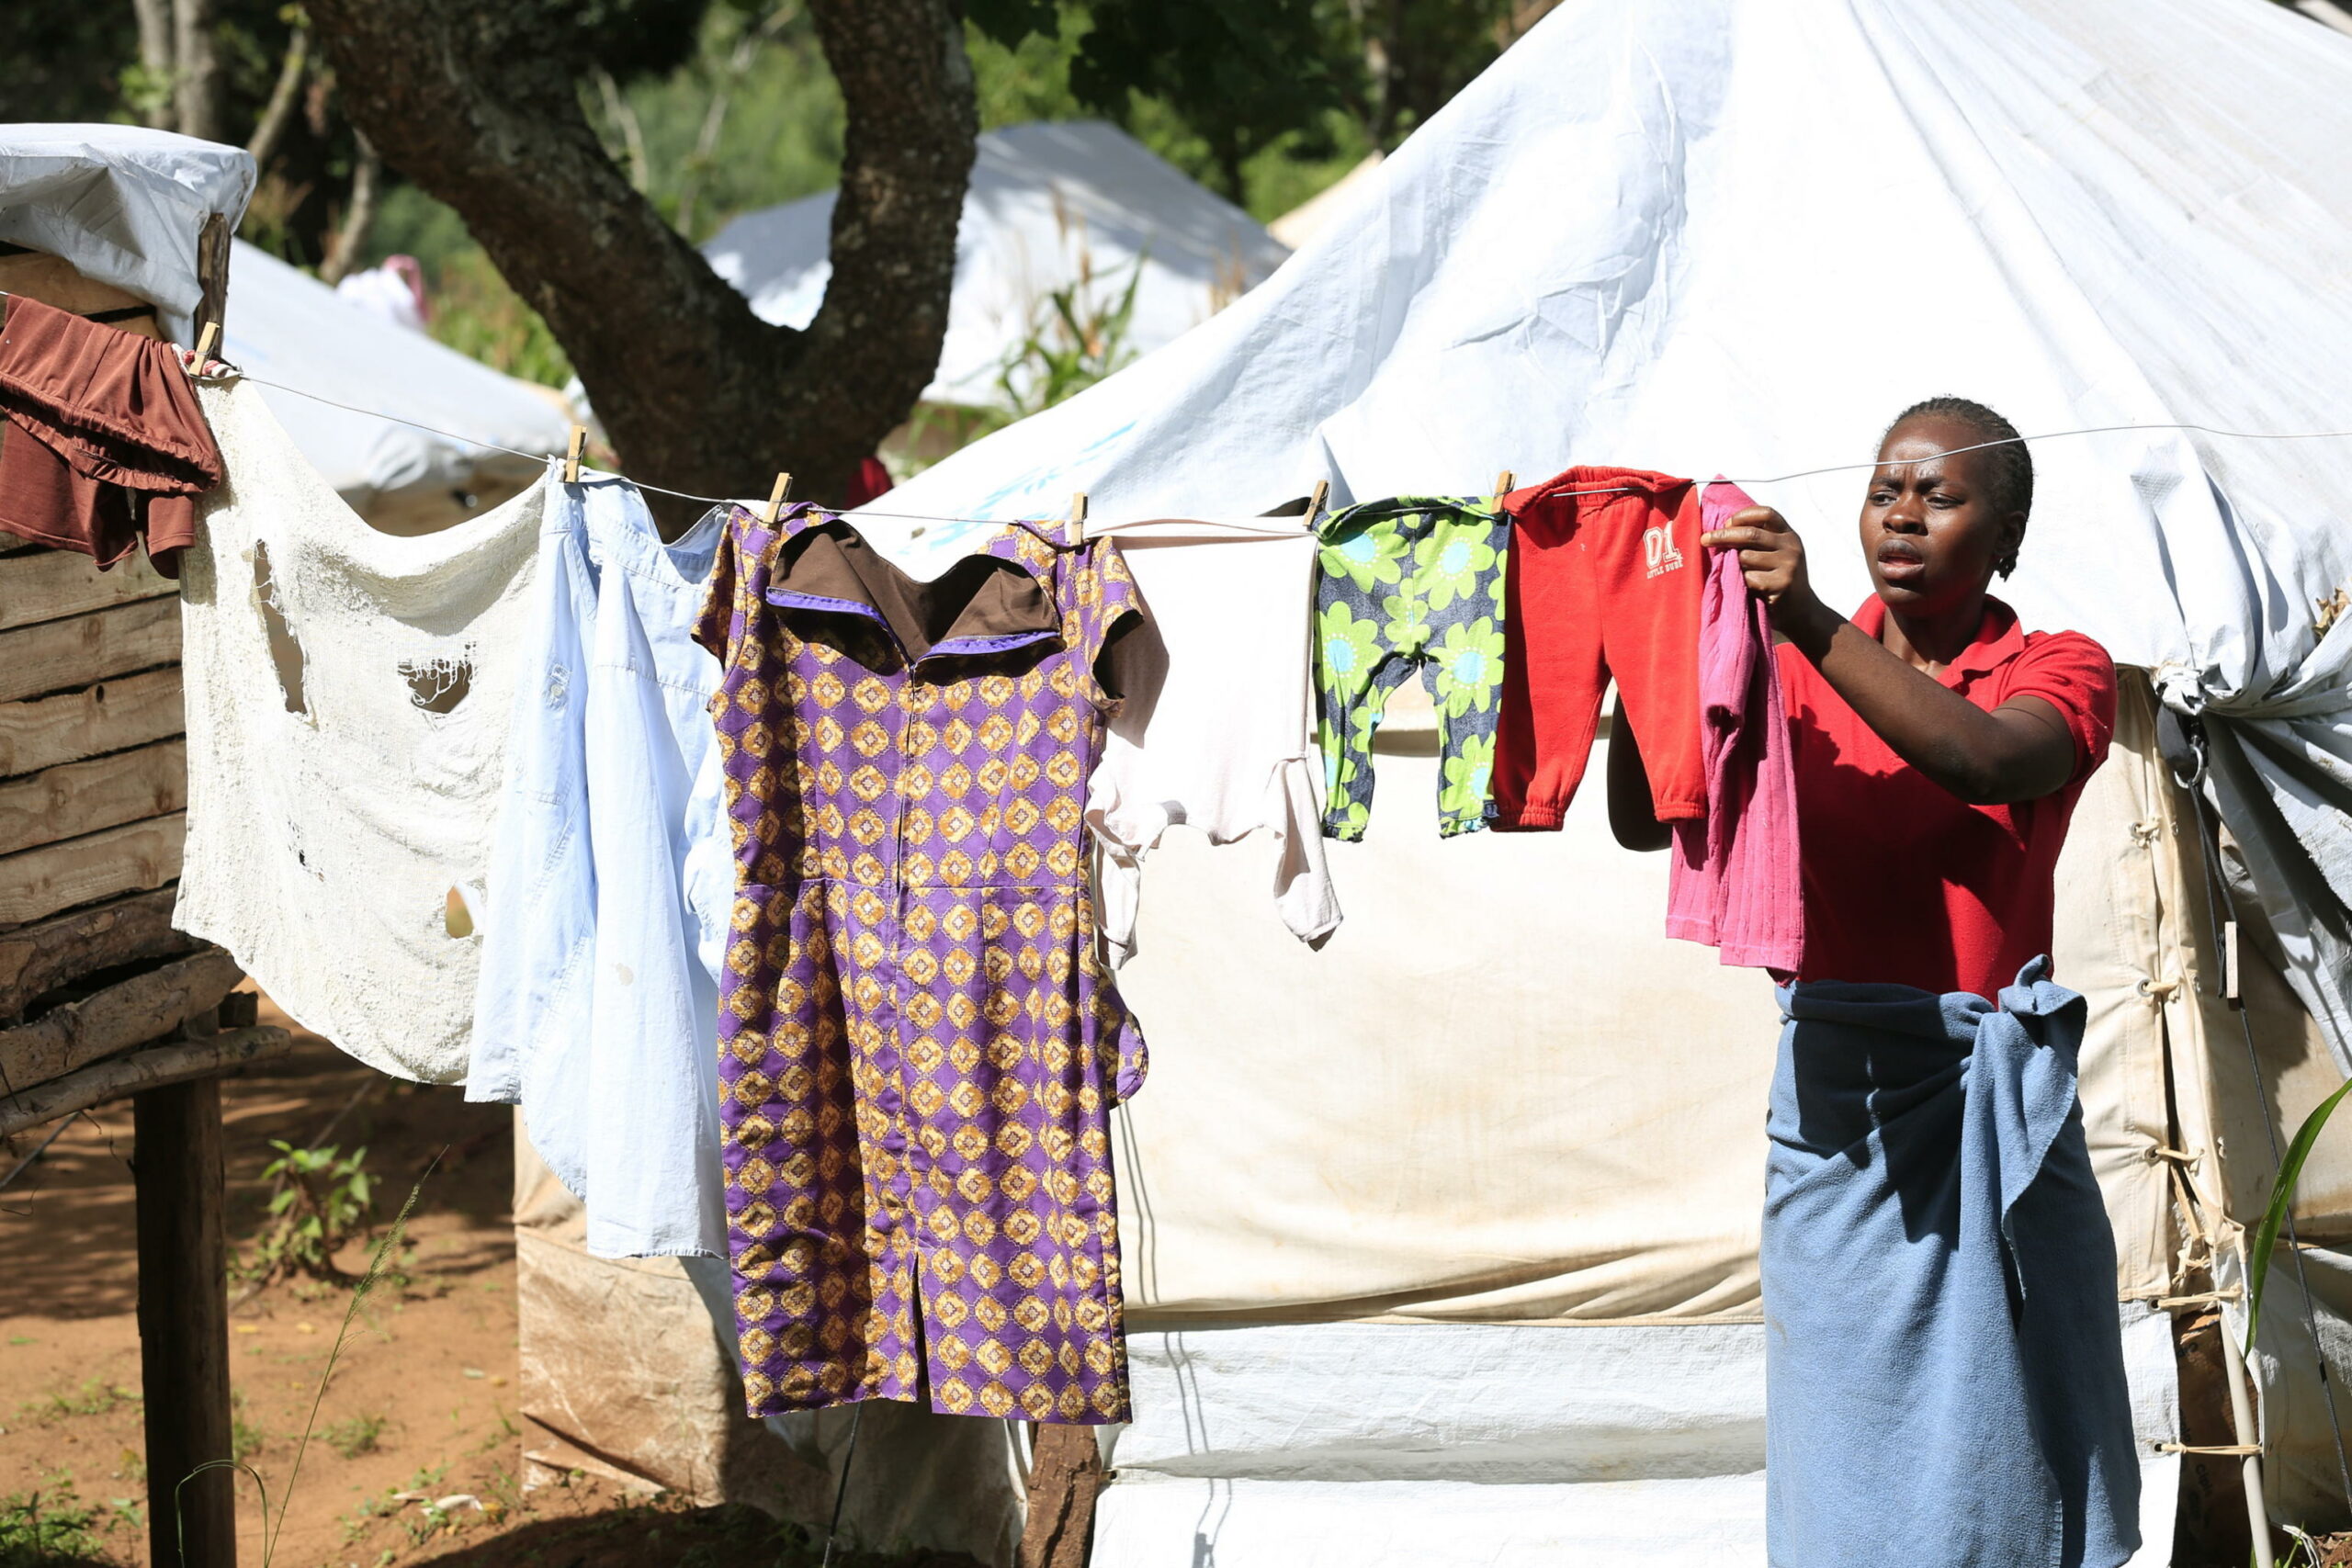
[(2202, 1298), (2234, 1451), (2209, 837), (218, 371)]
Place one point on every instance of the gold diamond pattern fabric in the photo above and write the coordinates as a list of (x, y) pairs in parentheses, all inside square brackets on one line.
[(919, 1048)]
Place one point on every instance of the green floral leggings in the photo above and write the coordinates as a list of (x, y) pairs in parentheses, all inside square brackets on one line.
[(1412, 583)]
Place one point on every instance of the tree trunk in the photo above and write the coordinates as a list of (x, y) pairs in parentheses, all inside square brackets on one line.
[(197, 81), (155, 58), (696, 393)]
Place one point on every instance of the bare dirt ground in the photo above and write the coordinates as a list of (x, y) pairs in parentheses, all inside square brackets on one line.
[(414, 1455)]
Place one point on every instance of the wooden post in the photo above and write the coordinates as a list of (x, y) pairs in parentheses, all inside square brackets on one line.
[(1065, 1472), (212, 272), (184, 1322)]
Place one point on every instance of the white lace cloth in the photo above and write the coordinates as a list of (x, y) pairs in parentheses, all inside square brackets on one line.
[(337, 798)]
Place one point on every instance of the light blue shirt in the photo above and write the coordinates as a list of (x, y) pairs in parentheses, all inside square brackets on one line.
[(609, 882)]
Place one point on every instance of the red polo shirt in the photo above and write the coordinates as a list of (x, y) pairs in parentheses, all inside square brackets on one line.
[(1902, 881)]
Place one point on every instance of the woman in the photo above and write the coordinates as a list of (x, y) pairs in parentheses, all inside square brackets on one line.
[(1944, 1371)]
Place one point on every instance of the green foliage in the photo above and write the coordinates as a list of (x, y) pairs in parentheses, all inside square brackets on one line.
[(751, 119), (95, 1397), (1240, 74), (1074, 340), (53, 1528), (2282, 1194), (475, 312), (245, 1439), (355, 1435), (321, 1201)]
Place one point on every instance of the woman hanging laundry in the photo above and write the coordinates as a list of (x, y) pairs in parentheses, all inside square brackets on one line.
[(1945, 1378)]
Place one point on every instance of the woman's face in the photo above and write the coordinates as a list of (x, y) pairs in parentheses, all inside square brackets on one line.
[(1929, 529)]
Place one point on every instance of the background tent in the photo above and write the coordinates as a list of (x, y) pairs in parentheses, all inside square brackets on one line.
[(292, 329), (1311, 217), (1049, 205)]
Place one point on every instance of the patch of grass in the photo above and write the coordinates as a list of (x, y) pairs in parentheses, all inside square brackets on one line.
[(245, 1439), (95, 1397), (53, 1528), (355, 1435)]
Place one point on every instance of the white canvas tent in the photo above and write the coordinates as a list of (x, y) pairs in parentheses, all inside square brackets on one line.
[(292, 329), (1710, 237), (1441, 1243), (1049, 204)]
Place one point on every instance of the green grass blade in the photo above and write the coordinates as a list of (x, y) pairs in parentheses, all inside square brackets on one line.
[(2282, 1193)]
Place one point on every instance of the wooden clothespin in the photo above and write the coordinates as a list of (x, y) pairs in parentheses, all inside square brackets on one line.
[(776, 498), (204, 342), (1503, 485), (1078, 519), (1315, 503), (572, 451)]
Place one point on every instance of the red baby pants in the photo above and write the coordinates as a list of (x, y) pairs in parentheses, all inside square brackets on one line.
[(1600, 585)]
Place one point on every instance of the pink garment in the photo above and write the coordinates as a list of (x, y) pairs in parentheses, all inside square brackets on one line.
[(1736, 883)]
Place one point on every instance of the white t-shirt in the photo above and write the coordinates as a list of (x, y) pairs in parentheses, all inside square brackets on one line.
[(1217, 730)]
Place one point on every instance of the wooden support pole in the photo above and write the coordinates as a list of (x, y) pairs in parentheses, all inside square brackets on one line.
[(1065, 1474), (183, 1323)]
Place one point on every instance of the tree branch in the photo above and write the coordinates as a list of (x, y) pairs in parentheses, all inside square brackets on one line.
[(351, 235), (279, 114), (470, 102), (618, 110)]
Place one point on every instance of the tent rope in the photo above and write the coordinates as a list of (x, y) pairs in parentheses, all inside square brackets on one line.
[(227, 371), (2209, 833)]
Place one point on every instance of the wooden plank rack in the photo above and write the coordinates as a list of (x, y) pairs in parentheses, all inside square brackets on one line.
[(100, 999)]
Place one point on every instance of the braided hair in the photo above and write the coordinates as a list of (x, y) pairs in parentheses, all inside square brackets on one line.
[(2011, 464)]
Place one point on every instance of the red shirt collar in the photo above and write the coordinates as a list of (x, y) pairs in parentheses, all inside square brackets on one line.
[(1998, 640)]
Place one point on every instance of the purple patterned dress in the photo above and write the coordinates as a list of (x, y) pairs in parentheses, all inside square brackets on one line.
[(919, 1049)]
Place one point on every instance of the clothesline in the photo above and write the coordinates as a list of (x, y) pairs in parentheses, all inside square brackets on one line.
[(1614, 490)]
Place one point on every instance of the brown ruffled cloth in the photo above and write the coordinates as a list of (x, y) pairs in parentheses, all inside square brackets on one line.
[(101, 440)]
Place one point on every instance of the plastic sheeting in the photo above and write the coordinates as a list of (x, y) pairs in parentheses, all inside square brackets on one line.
[(1049, 205), (286, 326), (123, 204), (1706, 237), (1340, 1445)]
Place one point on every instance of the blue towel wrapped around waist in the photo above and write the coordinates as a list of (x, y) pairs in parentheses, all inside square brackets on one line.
[(1944, 1368)]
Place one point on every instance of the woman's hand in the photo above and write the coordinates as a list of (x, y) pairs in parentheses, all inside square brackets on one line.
[(1771, 558)]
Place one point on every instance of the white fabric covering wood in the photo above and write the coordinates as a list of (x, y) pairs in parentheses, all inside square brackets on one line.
[(123, 204), (331, 810)]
